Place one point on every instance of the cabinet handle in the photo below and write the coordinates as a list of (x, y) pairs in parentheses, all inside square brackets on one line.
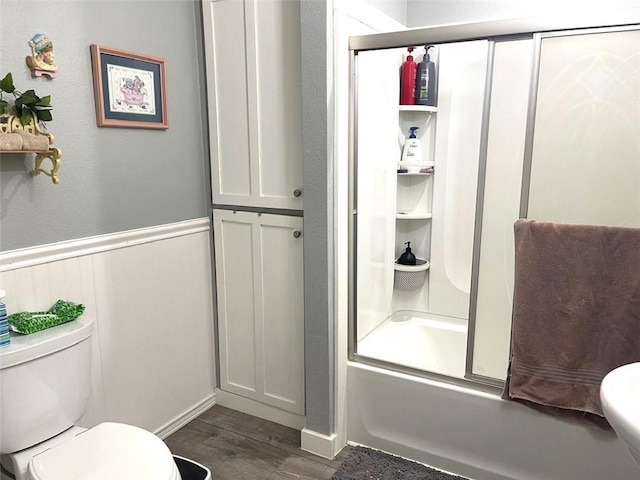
[(297, 233), (297, 192)]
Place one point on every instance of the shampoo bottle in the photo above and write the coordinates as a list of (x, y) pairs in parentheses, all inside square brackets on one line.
[(426, 81), (412, 152), (408, 80), (407, 258)]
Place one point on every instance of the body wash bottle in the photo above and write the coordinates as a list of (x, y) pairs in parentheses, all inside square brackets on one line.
[(412, 152)]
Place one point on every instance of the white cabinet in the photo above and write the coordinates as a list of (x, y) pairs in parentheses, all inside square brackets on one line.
[(255, 106), (260, 307)]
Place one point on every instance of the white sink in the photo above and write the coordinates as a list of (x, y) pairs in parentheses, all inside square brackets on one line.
[(620, 395)]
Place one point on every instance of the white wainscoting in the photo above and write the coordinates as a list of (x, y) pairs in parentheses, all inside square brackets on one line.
[(149, 292)]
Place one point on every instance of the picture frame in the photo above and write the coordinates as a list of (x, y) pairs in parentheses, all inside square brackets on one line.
[(130, 89)]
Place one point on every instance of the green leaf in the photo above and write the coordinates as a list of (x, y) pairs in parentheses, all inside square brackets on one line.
[(29, 98), (45, 101), (44, 115), (26, 117), (3, 106), (6, 84)]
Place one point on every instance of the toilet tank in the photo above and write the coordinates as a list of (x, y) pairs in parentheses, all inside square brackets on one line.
[(45, 380)]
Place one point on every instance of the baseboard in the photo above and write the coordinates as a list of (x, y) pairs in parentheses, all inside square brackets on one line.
[(260, 410), (182, 420), (325, 446), (27, 257)]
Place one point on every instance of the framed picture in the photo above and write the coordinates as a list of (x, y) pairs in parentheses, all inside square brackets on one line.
[(130, 89)]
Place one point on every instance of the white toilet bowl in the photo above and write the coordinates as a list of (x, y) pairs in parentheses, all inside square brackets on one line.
[(45, 390), (106, 452)]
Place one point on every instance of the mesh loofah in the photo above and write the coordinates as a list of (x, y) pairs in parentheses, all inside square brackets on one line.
[(31, 322)]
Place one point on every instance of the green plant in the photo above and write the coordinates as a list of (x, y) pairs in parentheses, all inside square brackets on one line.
[(27, 105)]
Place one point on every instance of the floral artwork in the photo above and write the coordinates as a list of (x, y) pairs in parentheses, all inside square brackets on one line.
[(131, 90)]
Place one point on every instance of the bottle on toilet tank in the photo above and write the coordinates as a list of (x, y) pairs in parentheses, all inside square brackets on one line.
[(5, 339)]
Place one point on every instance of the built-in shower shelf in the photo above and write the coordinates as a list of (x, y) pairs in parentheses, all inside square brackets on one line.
[(407, 174), (420, 267), (416, 164), (415, 168), (417, 108), (414, 215), (410, 277)]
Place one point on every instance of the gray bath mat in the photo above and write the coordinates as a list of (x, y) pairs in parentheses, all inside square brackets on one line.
[(367, 464)]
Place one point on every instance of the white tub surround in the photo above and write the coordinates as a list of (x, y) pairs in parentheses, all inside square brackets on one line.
[(475, 433)]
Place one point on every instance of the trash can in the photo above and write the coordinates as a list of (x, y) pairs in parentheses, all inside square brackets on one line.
[(190, 470)]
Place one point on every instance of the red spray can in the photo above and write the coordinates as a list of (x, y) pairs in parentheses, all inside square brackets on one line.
[(408, 80)]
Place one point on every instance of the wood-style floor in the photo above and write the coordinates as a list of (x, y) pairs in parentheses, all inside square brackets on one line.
[(237, 446)]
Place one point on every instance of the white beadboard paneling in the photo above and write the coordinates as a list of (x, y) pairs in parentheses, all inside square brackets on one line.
[(157, 342), (149, 292)]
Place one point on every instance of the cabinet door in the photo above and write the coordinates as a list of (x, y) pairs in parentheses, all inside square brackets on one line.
[(254, 90), (260, 307)]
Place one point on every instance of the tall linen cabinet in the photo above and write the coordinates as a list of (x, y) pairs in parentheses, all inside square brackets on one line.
[(254, 98)]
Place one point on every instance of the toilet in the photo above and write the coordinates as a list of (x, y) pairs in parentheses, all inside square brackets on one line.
[(45, 383)]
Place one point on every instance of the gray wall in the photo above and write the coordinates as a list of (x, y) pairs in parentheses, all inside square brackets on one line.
[(317, 136), (111, 179)]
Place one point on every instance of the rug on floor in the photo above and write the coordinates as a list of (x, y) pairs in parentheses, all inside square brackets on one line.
[(367, 464)]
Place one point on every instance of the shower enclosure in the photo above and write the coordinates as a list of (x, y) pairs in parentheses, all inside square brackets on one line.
[(528, 123), (417, 316), (533, 119)]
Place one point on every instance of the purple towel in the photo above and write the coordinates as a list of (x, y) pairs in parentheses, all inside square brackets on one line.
[(576, 315)]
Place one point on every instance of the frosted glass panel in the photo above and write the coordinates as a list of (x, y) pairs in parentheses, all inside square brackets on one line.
[(501, 206), (585, 166), (376, 184)]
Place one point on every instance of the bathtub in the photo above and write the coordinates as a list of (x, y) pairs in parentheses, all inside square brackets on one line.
[(475, 433), (419, 340)]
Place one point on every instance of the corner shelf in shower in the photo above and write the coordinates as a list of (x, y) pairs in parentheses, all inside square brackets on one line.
[(414, 215), (415, 166), (409, 174), (417, 108), (410, 277), (424, 265), (414, 197)]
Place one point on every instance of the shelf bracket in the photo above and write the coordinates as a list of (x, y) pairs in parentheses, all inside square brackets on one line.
[(53, 154)]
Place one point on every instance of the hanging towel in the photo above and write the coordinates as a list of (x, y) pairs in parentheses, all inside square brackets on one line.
[(576, 315)]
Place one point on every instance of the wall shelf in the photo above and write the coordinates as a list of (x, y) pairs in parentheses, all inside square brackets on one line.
[(11, 124)]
